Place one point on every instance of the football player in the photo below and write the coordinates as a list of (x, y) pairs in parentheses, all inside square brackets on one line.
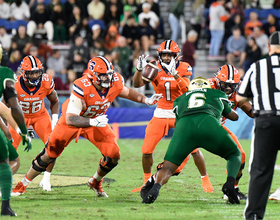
[(32, 86), (227, 79), (172, 81), (196, 111), (83, 114), (7, 89)]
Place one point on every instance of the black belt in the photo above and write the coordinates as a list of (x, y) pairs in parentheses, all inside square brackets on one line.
[(266, 113)]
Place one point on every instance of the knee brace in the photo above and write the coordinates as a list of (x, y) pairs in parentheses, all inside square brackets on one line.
[(106, 165), (42, 165)]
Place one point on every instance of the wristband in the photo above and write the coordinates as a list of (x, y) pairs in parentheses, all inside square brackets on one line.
[(92, 122), (54, 117)]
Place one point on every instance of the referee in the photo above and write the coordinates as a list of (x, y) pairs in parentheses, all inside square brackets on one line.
[(261, 83)]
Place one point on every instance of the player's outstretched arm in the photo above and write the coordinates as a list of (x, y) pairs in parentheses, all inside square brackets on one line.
[(10, 97), (131, 94), (232, 115), (247, 108), (6, 113)]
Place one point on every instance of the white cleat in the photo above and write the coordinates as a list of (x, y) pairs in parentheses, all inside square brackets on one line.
[(46, 185), (275, 195)]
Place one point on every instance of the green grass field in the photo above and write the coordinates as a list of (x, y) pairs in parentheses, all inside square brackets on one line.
[(181, 198)]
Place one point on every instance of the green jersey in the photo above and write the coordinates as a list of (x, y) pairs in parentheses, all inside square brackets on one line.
[(210, 101), (5, 75)]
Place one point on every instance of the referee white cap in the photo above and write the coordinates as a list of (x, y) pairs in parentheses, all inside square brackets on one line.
[(274, 38)]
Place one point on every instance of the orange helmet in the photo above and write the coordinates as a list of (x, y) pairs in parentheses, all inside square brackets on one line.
[(169, 46), (100, 66), (31, 65), (228, 79)]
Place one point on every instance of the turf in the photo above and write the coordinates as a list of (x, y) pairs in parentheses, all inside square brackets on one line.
[(181, 198)]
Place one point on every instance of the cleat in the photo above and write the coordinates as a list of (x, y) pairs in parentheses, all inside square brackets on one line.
[(96, 186), (7, 211), (152, 195), (147, 186), (275, 195), (206, 184), (240, 195), (19, 189), (46, 185), (230, 193)]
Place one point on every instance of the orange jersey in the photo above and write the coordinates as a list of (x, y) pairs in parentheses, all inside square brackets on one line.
[(166, 84), (96, 102), (32, 100)]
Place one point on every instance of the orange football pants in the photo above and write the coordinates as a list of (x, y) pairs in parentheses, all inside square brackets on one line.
[(103, 138), (42, 125), (233, 136)]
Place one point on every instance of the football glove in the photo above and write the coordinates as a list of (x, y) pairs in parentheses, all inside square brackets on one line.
[(26, 140), (142, 62), (100, 121), (54, 120), (171, 67), (31, 133), (154, 99)]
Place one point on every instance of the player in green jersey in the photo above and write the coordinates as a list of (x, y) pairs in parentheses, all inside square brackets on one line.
[(7, 80), (196, 111)]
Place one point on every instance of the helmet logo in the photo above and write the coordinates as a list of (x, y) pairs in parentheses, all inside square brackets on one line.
[(91, 65)]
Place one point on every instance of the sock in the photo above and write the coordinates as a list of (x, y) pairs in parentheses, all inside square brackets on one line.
[(157, 186), (97, 176), (5, 205), (235, 186), (6, 177), (147, 176), (25, 181), (204, 176), (231, 180), (47, 176)]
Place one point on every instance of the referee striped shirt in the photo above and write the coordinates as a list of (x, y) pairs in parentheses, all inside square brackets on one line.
[(262, 83)]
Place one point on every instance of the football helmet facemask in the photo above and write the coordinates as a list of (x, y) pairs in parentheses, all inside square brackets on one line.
[(101, 71), (199, 83), (31, 69), (228, 79), (168, 47)]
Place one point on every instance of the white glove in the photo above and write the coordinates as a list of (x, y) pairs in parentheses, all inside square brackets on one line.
[(54, 120), (142, 62), (100, 121), (154, 99), (171, 67)]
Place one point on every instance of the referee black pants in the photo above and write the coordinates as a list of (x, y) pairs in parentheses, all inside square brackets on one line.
[(264, 148)]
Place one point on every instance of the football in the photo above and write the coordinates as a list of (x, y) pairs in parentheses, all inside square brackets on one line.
[(150, 72)]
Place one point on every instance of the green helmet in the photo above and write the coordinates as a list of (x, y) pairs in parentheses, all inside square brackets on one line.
[(199, 83)]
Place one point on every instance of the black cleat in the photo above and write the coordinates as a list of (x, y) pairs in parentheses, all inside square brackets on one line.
[(229, 190), (152, 194), (148, 185), (8, 211), (240, 195)]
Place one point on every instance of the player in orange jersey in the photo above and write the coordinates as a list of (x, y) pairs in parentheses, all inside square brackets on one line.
[(83, 114), (172, 81), (32, 87), (227, 79)]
